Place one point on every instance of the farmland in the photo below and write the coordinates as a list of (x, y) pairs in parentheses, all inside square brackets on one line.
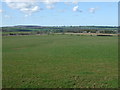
[(60, 61), (33, 30)]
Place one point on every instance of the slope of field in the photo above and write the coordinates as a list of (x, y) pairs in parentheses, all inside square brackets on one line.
[(60, 61)]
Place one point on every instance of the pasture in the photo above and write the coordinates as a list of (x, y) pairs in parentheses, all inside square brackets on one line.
[(60, 61)]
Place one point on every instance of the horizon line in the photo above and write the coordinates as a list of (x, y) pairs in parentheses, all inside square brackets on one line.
[(58, 25)]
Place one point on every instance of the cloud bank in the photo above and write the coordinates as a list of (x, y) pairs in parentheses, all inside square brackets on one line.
[(29, 6), (32, 6), (25, 7)]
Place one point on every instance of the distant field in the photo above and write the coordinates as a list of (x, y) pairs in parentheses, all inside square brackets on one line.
[(60, 61), (14, 32)]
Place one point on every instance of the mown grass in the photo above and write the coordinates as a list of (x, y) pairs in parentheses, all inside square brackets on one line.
[(60, 61)]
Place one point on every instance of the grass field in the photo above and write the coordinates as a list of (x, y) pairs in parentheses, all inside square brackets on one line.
[(60, 61)]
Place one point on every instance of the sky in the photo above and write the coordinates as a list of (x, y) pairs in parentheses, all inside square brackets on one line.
[(59, 13)]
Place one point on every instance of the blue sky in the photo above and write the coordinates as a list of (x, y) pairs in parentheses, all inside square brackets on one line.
[(59, 14)]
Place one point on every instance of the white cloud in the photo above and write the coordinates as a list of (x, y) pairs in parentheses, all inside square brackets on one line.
[(26, 7), (92, 10), (1, 10), (76, 9), (30, 10), (63, 0), (45, 1), (31, 6), (50, 3), (75, 1), (19, 0)]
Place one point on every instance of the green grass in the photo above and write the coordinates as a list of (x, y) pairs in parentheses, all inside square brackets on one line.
[(60, 61)]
